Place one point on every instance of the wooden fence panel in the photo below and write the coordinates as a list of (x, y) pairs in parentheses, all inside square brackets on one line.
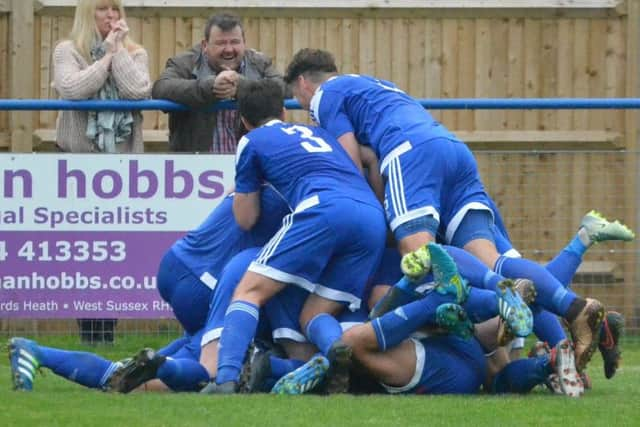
[(4, 79), (443, 57), (450, 52)]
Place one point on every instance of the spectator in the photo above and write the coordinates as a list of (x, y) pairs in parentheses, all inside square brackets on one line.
[(208, 73), (99, 61)]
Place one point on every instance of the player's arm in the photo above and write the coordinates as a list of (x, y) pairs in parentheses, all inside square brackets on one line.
[(351, 146), (246, 200), (246, 209), (370, 164), (329, 113)]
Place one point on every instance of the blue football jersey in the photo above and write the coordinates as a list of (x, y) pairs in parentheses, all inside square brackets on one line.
[(210, 246), (300, 161), (379, 113)]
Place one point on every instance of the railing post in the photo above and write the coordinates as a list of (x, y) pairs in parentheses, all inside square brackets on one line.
[(632, 162), (21, 72)]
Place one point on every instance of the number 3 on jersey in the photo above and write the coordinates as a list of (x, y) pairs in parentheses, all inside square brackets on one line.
[(312, 144)]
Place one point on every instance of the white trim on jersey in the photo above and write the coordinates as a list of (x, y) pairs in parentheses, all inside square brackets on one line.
[(512, 253), (273, 122), (457, 218), (241, 145), (396, 188), (281, 276), (288, 334), (415, 380), (211, 335), (272, 244), (294, 335), (307, 203), (416, 213), (323, 291), (336, 295), (209, 280), (400, 149), (314, 105), (287, 222)]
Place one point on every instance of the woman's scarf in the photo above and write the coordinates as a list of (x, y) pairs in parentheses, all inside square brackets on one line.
[(108, 128)]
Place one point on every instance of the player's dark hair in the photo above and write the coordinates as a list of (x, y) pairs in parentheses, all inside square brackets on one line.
[(260, 100), (226, 21), (311, 63)]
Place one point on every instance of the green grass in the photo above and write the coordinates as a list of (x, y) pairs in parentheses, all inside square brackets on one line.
[(56, 401)]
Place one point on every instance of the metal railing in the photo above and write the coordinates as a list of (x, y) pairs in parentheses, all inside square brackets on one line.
[(292, 104)]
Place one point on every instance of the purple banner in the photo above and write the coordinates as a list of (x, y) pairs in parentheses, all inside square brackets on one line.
[(83, 274), (81, 235)]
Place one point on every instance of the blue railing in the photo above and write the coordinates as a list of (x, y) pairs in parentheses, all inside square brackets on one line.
[(292, 104)]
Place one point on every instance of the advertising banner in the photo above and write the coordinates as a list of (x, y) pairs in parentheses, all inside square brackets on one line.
[(81, 235)]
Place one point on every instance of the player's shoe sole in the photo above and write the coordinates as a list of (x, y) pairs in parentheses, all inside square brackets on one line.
[(304, 379), (563, 361), (416, 264), (526, 289), (338, 376), (585, 330), (24, 363), (600, 229), (610, 332), (504, 334), (513, 310), (138, 370), (445, 274), (253, 379), (454, 320)]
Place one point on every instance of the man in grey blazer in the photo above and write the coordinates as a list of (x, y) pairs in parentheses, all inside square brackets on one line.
[(204, 75)]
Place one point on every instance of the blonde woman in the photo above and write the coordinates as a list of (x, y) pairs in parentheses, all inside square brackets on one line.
[(99, 61)]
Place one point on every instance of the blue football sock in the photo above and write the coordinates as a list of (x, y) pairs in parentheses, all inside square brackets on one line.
[(323, 330), (546, 327), (81, 367), (551, 295), (409, 286), (397, 325), (183, 374), (281, 367), (393, 298), (174, 346), (481, 305), (576, 246), (471, 268), (564, 266), (522, 375), (240, 324)]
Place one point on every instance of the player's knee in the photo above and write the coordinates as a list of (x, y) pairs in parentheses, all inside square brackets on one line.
[(209, 357), (361, 340), (415, 233), (255, 292)]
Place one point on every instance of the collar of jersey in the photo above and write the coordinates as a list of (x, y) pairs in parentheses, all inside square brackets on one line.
[(272, 122)]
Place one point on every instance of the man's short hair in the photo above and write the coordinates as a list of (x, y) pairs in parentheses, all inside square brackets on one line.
[(260, 100), (310, 62), (225, 21)]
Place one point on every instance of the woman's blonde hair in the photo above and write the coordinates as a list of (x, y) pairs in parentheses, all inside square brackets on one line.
[(85, 30)]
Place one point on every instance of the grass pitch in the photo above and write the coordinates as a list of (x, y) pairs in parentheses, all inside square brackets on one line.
[(58, 402)]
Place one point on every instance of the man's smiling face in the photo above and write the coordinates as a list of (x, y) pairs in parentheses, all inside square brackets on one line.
[(225, 49)]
